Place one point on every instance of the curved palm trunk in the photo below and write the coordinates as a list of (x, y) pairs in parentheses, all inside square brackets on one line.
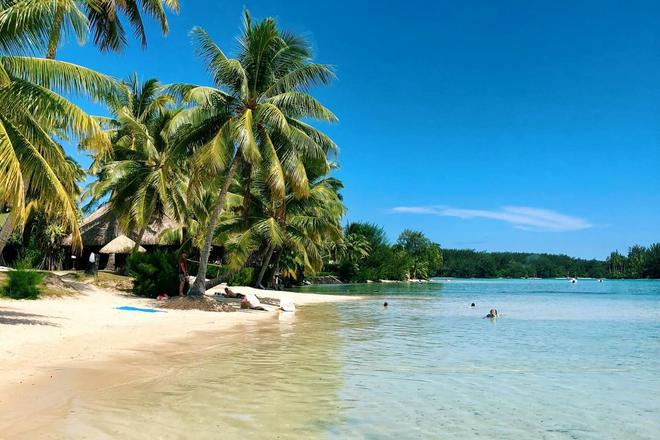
[(140, 236), (199, 286), (54, 39), (6, 230), (138, 240), (264, 267)]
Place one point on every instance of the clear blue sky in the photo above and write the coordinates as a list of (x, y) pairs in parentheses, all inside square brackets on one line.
[(509, 125)]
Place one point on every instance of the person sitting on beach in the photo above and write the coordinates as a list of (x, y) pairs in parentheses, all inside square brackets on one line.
[(183, 272), (492, 314), (231, 294)]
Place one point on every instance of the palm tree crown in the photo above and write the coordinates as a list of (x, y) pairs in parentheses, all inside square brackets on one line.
[(144, 177), (35, 119)]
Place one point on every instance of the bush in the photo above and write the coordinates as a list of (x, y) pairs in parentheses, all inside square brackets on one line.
[(244, 277), (23, 284), (154, 273)]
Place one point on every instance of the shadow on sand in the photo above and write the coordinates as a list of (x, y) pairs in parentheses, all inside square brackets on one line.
[(10, 317)]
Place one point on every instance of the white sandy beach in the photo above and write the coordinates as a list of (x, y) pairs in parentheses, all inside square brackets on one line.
[(41, 338)]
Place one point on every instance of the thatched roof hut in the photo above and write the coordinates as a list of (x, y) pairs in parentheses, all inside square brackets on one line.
[(101, 227), (120, 245)]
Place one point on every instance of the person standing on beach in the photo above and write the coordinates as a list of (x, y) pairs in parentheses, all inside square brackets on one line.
[(93, 268), (183, 272)]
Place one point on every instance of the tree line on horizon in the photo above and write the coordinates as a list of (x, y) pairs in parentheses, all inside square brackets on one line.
[(415, 256), (641, 262)]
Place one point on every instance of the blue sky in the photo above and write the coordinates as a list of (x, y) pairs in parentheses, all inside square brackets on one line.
[(510, 125)]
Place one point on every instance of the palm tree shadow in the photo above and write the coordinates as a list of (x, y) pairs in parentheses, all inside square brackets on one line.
[(10, 317)]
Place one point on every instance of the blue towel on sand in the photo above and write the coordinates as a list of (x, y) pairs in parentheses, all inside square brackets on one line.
[(138, 309)]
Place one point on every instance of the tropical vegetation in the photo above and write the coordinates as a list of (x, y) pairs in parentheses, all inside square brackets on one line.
[(239, 169), (365, 254), (253, 124)]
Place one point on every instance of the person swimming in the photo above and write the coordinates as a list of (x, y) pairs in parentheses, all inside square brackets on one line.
[(385, 304), (492, 314), (473, 305)]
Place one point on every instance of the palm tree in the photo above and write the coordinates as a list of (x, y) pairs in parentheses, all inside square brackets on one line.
[(352, 248), (269, 226), (145, 176), (51, 20), (255, 116), (34, 119)]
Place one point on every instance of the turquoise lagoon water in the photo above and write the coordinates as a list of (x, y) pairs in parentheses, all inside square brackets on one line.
[(563, 361)]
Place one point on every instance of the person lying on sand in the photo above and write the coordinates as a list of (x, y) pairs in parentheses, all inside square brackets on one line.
[(492, 314), (251, 302), (231, 294)]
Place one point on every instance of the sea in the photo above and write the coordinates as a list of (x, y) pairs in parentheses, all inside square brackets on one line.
[(562, 361)]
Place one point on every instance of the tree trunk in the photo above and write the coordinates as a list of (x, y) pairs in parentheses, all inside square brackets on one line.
[(7, 229), (247, 197), (276, 270), (199, 286), (54, 38), (264, 267), (140, 236), (138, 240), (110, 265)]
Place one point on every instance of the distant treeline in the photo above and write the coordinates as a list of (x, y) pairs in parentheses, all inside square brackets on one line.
[(641, 262), (366, 254), (464, 263)]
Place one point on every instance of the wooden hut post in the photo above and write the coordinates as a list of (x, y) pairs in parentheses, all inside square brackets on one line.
[(111, 263)]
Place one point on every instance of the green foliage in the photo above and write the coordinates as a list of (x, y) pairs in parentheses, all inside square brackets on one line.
[(23, 284), (415, 256), (38, 247), (366, 255), (466, 263), (143, 178), (423, 258), (154, 273), (641, 262), (244, 277), (255, 123)]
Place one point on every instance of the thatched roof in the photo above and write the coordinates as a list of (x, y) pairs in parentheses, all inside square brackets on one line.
[(101, 227), (120, 245)]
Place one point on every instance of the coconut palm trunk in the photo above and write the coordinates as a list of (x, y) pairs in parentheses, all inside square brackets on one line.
[(7, 229), (143, 229), (138, 239), (199, 286), (54, 39), (264, 267), (276, 269)]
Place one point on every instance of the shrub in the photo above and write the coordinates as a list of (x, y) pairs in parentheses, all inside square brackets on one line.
[(23, 284), (154, 273), (244, 277)]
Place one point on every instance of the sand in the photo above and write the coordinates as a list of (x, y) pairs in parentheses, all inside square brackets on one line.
[(42, 338)]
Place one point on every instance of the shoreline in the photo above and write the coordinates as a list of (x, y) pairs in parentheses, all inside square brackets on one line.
[(43, 339)]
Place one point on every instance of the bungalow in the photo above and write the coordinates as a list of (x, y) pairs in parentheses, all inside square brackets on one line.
[(100, 228)]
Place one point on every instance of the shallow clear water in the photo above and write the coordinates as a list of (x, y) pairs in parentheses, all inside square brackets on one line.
[(563, 361)]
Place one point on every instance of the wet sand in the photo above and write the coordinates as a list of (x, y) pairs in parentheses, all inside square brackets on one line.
[(45, 344)]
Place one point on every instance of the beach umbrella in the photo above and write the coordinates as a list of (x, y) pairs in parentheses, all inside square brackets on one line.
[(120, 245)]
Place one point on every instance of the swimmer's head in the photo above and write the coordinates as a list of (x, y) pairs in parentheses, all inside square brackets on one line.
[(385, 304)]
